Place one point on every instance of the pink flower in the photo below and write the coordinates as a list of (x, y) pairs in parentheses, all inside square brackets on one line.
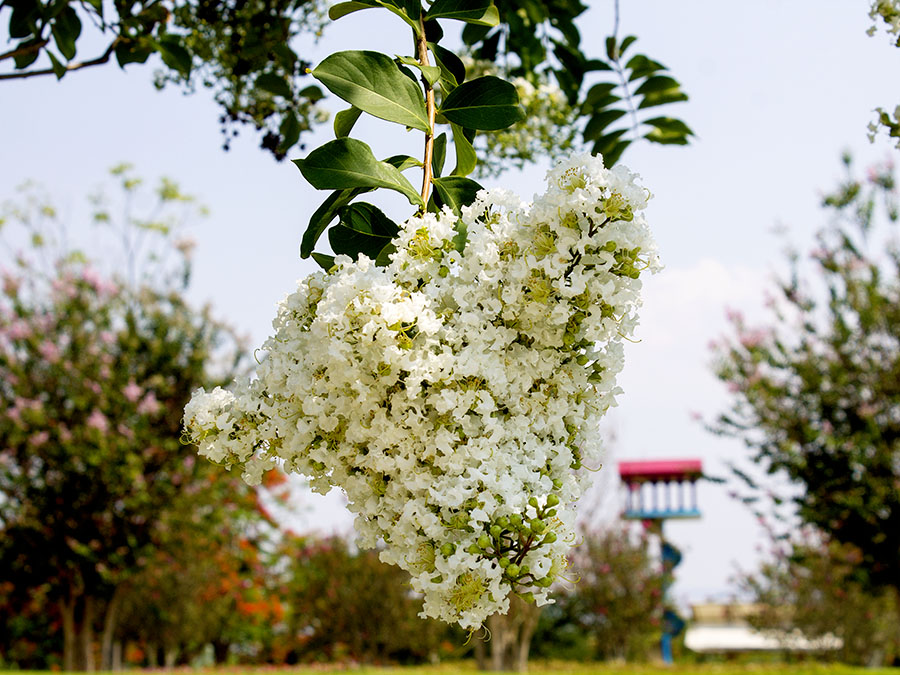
[(126, 431), (97, 420), (19, 330), (49, 351), (149, 405), (38, 439), (132, 391), (107, 337)]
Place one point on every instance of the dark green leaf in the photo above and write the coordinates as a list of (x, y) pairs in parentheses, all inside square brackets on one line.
[(670, 125), (455, 192), (462, 234), (605, 144), (326, 262), (363, 230), (58, 68), (349, 163), (655, 84), (290, 132), (473, 34), (484, 103), (24, 60), (133, 51), (626, 43), (344, 121), (274, 84), (323, 216), (176, 56), (384, 255), (662, 98), (374, 83), (311, 93), (479, 12), (439, 154), (598, 123), (641, 66), (466, 158), (66, 30), (598, 92), (452, 69)]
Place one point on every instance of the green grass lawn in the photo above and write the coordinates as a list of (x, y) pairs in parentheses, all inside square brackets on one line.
[(559, 668)]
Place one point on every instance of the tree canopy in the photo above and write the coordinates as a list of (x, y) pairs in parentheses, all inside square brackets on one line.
[(244, 52), (815, 394)]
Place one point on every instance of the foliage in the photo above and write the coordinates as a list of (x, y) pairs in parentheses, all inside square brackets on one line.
[(238, 49), (94, 372), (886, 12), (612, 610), (346, 604), (815, 394), (539, 45), (816, 588)]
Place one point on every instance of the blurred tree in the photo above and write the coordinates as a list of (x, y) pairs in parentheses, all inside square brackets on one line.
[(94, 374), (815, 395), (617, 595), (345, 604), (241, 51), (815, 587)]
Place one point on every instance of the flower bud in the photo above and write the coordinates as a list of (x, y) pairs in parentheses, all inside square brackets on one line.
[(552, 500), (484, 541), (512, 570)]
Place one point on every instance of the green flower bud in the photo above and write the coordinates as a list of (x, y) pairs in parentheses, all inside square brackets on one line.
[(549, 538), (552, 500), (549, 513), (533, 501), (474, 550), (448, 549), (496, 531), (543, 583), (484, 541), (503, 522), (538, 525), (438, 579), (557, 483), (515, 519), (512, 571), (504, 562)]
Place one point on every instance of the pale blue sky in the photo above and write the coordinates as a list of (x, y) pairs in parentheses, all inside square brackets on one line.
[(778, 89)]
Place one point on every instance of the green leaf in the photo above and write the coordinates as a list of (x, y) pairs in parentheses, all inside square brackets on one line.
[(605, 144), (66, 30), (312, 93), (455, 192), (363, 230), (461, 236), (290, 132), (431, 73), (335, 12), (349, 163), (439, 154), (641, 66), (595, 126), (326, 262), (484, 103), (466, 158), (24, 60), (662, 98), (403, 162), (655, 84), (384, 255), (374, 83), (176, 56), (453, 71), (479, 12), (274, 84), (58, 68), (668, 131), (323, 216), (344, 121)]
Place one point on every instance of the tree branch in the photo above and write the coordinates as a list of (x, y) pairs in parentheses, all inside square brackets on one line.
[(103, 58), (422, 54), (21, 51)]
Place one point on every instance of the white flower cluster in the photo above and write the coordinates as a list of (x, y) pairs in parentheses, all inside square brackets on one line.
[(887, 11), (454, 396)]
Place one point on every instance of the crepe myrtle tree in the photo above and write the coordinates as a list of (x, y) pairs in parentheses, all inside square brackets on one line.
[(454, 365), (93, 374), (814, 393), (244, 53)]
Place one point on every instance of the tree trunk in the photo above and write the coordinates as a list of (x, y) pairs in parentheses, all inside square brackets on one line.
[(110, 622), (171, 656), (67, 609), (117, 651), (88, 663), (510, 637)]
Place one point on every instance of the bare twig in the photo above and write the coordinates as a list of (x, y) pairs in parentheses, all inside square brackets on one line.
[(21, 51)]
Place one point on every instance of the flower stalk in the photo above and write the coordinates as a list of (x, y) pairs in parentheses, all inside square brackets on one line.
[(422, 55)]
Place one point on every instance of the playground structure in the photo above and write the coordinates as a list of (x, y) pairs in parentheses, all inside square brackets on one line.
[(660, 490)]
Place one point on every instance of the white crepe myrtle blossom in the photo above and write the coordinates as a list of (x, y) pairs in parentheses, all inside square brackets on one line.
[(454, 396)]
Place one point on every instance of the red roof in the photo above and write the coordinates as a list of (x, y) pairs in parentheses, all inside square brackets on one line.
[(660, 469)]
